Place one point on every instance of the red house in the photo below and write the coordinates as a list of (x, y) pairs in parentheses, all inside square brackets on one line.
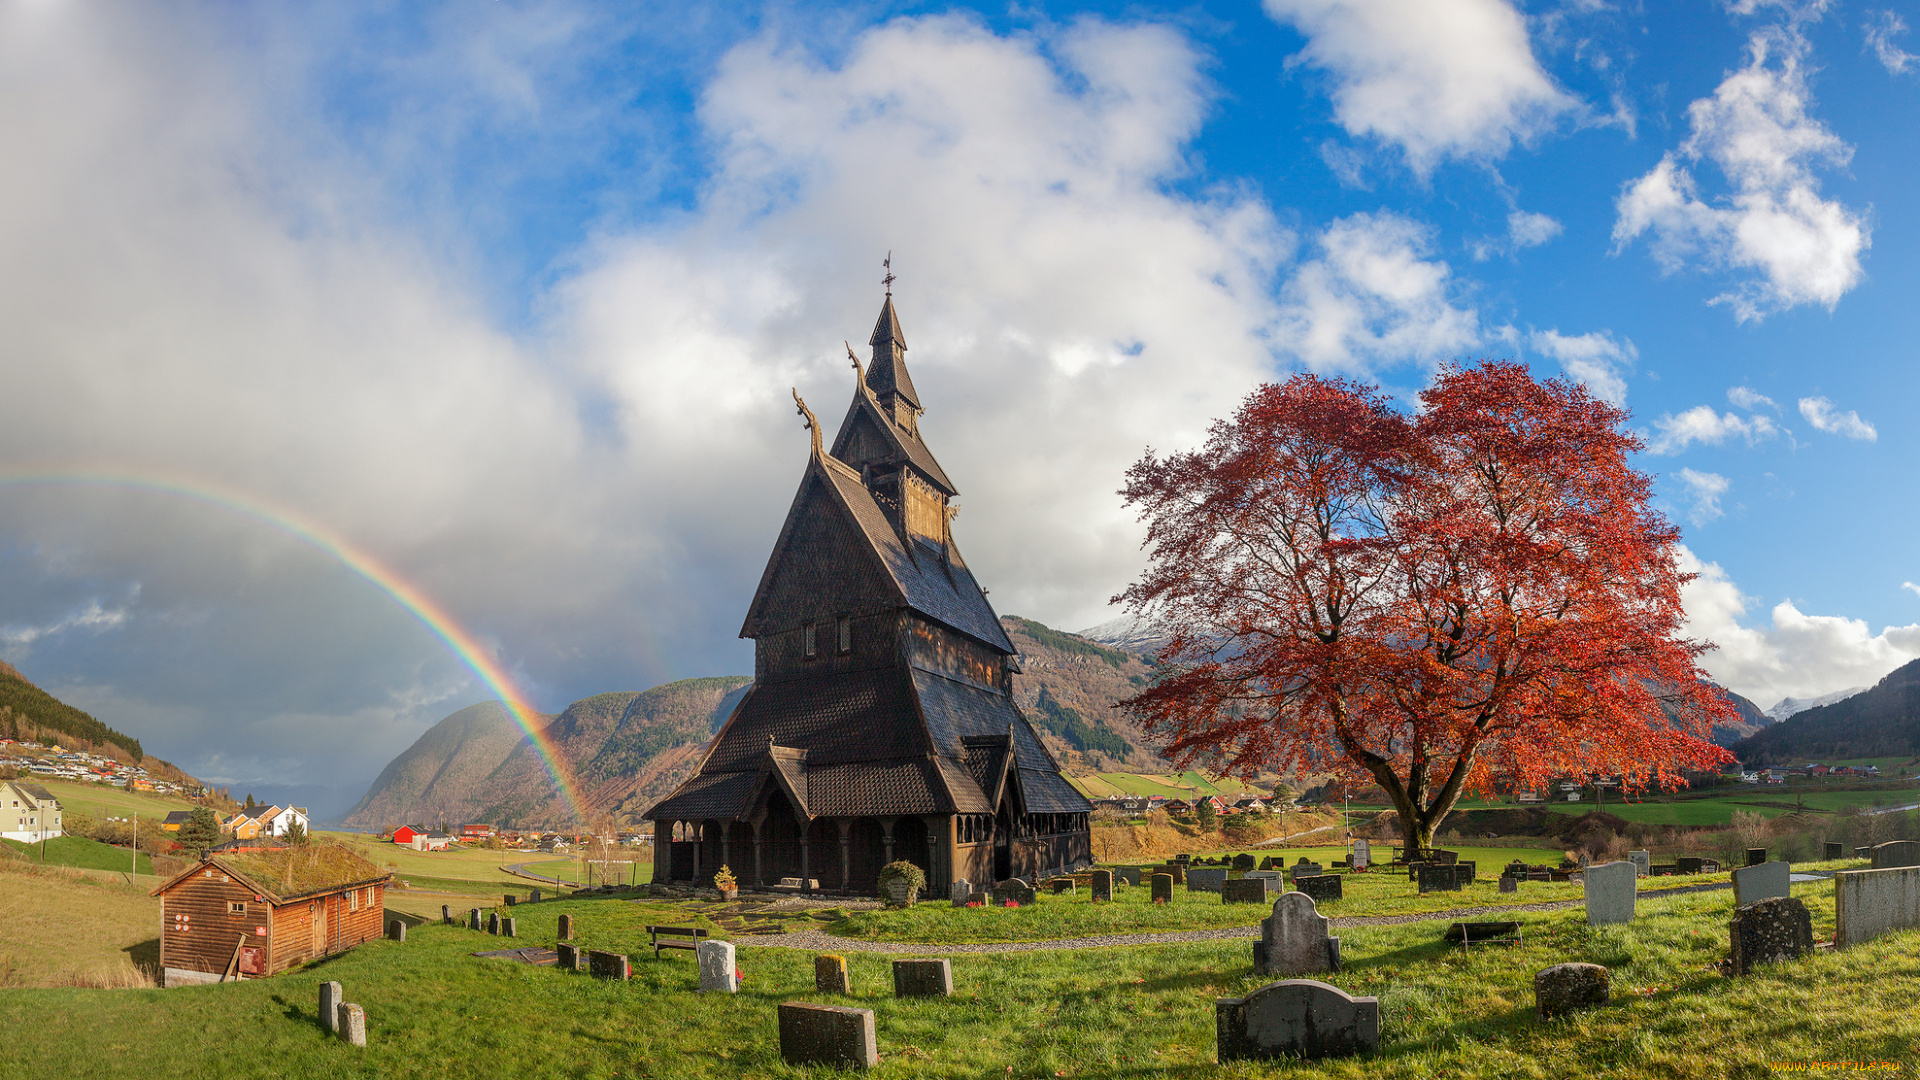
[(406, 834)]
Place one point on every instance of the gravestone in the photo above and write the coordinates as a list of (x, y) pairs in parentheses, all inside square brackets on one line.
[(473, 919), (1834, 852), (1183, 860), (1249, 890), (1129, 874), (533, 897), (1610, 893), (1294, 939), (1204, 879), (1869, 903), (446, 914), (1509, 884), (1662, 870), (1243, 861), (351, 1024), (1709, 866), (1296, 1018), (830, 975), (1303, 868), (1896, 853), (1752, 884), (960, 893), (396, 930), (330, 1005), (1173, 870), (826, 1035), (1586, 860), (1756, 856), (566, 928), (1270, 863), (1322, 887), (1163, 888), (1102, 886), (1770, 932), (1689, 865), (1642, 862), (1015, 890), (609, 965), (1362, 855), (1515, 869), (507, 928), (1863, 853), (1434, 878), (569, 956), (493, 922), (981, 897), (717, 969), (510, 899), (1443, 856), (922, 978), (1061, 886), (1466, 870), (1566, 987), (1276, 879)]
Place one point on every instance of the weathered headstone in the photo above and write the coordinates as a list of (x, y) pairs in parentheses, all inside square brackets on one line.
[(566, 928), (1443, 856), (826, 1035), (1205, 879), (1061, 886), (493, 922), (533, 897), (511, 899), (508, 928), (1102, 886), (1896, 853), (1129, 874), (396, 930), (1834, 852), (717, 969), (1296, 1018), (1752, 884), (352, 1024), (1303, 868), (1322, 887), (1270, 862), (830, 975), (1176, 871), (1586, 860), (1163, 888), (1709, 866), (960, 893), (1362, 855), (1436, 878), (569, 955), (1014, 889), (1756, 856), (1642, 862), (1566, 987), (609, 965), (473, 919), (446, 914), (1183, 860), (1509, 884), (1243, 861), (1689, 865), (1248, 890), (1276, 880), (1869, 903), (1770, 932), (1863, 853), (1294, 939), (330, 999), (922, 978), (1610, 893)]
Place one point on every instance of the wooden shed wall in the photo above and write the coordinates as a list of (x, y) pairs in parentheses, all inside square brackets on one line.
[(315, 926), (198, 930)]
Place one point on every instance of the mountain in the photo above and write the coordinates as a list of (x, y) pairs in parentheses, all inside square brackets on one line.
[(1126, 632), (624, 750), (1791, 706), (30, 713), (1068, 687), (1751, 720), (1883, 721)]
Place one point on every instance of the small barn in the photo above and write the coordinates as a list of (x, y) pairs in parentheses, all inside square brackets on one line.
[(247, 915)]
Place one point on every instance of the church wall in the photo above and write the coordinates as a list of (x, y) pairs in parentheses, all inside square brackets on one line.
[(937, 649), (871, 638)]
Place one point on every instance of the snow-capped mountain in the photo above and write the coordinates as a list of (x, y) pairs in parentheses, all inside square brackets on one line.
[(1126, 632), (1788, 706)]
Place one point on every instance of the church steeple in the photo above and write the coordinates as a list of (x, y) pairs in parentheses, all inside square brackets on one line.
[(887, 375)]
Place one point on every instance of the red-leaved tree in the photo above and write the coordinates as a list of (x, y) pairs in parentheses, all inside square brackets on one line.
[(1475, 592)]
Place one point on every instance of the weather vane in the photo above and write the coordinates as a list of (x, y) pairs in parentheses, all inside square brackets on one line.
[(887, 264)]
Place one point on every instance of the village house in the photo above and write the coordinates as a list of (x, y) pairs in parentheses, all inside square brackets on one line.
[(252, 914), (28, 812), (477, 832), (881, 724), (407, 835)]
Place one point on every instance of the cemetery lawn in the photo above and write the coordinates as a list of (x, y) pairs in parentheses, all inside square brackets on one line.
[(435, 1011), (81, 852)]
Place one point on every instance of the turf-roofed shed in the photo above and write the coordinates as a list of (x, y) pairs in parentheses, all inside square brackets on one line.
[(881, 723), (256, 913)]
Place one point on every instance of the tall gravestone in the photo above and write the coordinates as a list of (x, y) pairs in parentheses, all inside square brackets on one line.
[(827, 1035), (1322, 887), (922, 978), (1205, 879), (1896, 853), (508, 928), (1869, 903), (396, 930), (352, 1024), (1163, 888), (533, 897), (1756, 856), (1642, 862), (1102, 886), (1296, 1018), (1610, 893), (1770, 932), (718, 972), (330, 999), (473, 919), (1294, 939), (830, 975), (961, 893), (446, 914), (1362, 855), (1834, 852), (493, 922), (566, 928), (1752, 884)]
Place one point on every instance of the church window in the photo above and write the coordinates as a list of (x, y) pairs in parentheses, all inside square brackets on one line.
[(846, 634), (808, 647)]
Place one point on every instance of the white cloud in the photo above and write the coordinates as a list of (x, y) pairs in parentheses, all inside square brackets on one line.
[(1756, 130), (1746, 398), (1701, 424), (1704, 489), (1595, 359), (1881, 30), (1911, 587), (92, 617), (1372, 297), (1798, 655), (1439, 79), (1531, 230), (1821, 414)]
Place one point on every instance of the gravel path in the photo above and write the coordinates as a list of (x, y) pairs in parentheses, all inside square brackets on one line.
[(819, 941)]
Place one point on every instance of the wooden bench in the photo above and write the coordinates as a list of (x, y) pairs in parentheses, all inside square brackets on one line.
[(693, 932)]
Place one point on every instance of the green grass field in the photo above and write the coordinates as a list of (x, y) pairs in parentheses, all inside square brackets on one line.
[(81, 852), (67, 927), (1171, 785), (1145, 1011), (1719, 810), (103, 800)]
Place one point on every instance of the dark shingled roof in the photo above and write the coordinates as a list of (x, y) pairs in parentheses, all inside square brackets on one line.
[(854, 716), (956, 711), (906, 444), (888, 372)]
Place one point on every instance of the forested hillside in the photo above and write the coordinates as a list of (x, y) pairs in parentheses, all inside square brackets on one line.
[(28, 712)]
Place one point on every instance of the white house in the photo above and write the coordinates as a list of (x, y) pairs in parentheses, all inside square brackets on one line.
[(28, 812), (278, 820)]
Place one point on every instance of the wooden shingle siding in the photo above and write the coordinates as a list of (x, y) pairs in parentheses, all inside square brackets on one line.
[(197, 930), (200, 927)]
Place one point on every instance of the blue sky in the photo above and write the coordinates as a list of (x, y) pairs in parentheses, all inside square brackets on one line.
[(511, 295)]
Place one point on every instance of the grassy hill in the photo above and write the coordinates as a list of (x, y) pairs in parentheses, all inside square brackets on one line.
[(1879, 722), (30, 713), (78, 851)]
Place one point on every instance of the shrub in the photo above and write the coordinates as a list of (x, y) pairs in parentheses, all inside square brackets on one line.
[(915, 879), (724, 880)]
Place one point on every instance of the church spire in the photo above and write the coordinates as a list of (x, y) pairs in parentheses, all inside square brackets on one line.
[(887, 374)]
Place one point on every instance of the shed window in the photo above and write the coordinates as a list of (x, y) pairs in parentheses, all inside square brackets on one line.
[(809, 648), (236, 907), (353, 899), (846, 635)]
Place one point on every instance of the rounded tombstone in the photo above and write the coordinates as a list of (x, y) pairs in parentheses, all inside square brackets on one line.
[(1566, 987)]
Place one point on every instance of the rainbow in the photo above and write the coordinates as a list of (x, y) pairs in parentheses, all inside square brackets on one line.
[(435, 618)]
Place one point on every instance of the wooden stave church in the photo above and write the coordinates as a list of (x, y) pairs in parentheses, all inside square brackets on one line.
[(881, 724)]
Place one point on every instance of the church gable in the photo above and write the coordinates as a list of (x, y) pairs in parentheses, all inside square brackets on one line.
[(823, 566)]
